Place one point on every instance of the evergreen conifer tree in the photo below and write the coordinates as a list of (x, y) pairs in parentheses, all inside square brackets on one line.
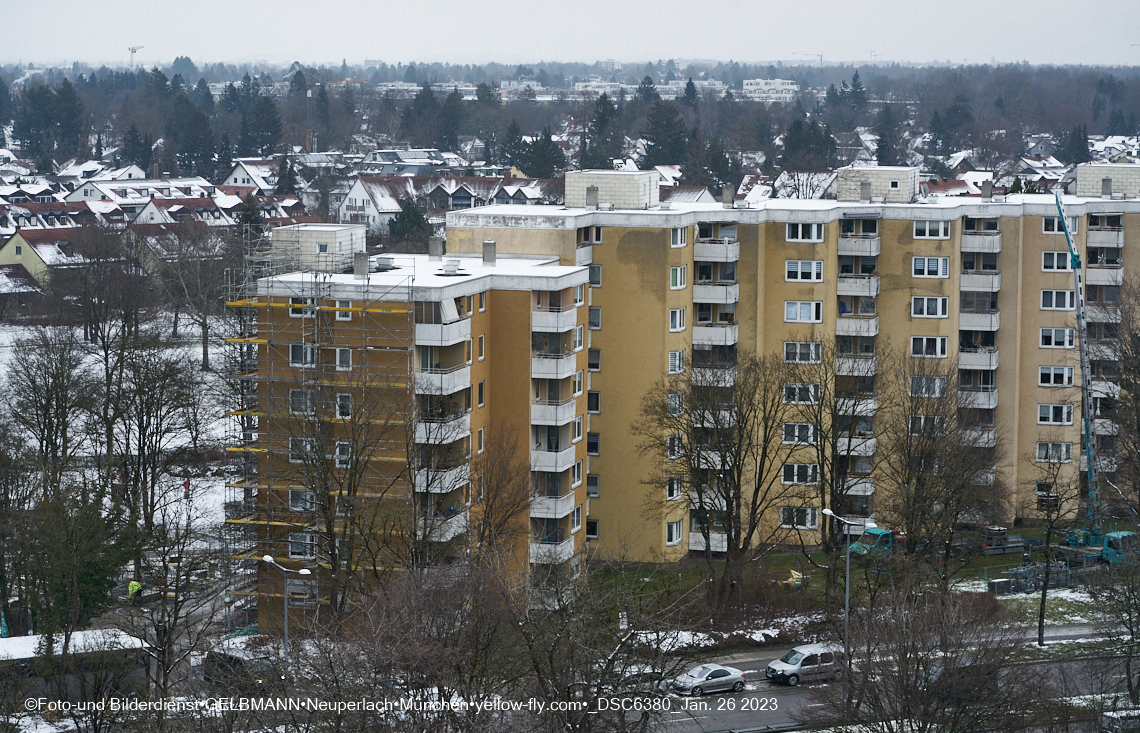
[(546, 158), (266, 126), (690, 98), (514, 151), (665, 135), (647, 90), (286, 178), (225, 159), (246, 142), (409, 225), (888, 142), (203, 97)]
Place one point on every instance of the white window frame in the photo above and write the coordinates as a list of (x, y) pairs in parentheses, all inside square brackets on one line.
[(674, 447), (579, 295), (939, 347), (307, 542), (1054, 413), (301, 500), (1070, 338), (794, 311), (794, 430), (341, 354), (1047, 376), (1061, 452), (943, 228), (942, 267), (1052, 225), (676, 404), (577, 383), (1062, 256), (482, 348), (926, 385), (677, 362), (799, 474), (576, 429), (678, 237), (482, 301), (576, 474), (674, 533), (919, 302), (678, 277), (1051, 295), (594, 309), (342, 454), (811, 517), (676, 320), (794, 232), (812, 389), (297, 307), (344, 315), (674, 488), (805, 271), (798, 350), (301, 447), (579, 337), (308, 355), (309, 402), (919, 425), (479, 442)]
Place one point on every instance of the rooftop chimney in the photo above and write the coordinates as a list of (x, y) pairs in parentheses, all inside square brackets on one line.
[(987, 190), (1106, 188), (435, 248), (489, 253), (727, 195), (154, 174), (591, 197), (865, 191), (360, 265)]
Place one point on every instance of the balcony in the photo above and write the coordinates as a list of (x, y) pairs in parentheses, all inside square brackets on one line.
[(552, 412), (1108, 350), (983, 282), (715, 334), (716, 292), (852, 325), (1102, 426), (552, 460), (859, 246), (1103, 314), (553, 366), (443, 480), (440, 529), (856, 365), (552, 507), (714, 376), (855, 526), (979, 321), (717, 540), (978, 399), (1104, 275), (716, 250), (554, 320), (859, 486), (584, 255), (443, 429), (722, 418), (1105, 237), (978, 358), (858, 405), (985, 477), (985, 242), (978, 437), (443, 334), (551, 551), (865, 285), (1104, 464), (443, 380), (1103, 388), (856, 445)]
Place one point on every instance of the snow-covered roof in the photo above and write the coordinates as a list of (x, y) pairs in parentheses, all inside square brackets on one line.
[(26, 647)]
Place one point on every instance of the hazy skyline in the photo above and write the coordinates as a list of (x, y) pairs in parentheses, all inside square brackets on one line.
[(969, 31)]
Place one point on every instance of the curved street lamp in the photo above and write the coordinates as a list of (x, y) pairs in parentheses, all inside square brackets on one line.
[(303, 571)]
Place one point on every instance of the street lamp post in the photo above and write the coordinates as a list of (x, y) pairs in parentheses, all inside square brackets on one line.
[(846, 588), (303, 571)]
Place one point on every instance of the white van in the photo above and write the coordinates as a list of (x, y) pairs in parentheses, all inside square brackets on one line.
[(807, 663)]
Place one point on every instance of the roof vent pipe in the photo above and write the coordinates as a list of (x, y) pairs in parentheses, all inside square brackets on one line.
[(435, 248), (489, 253)]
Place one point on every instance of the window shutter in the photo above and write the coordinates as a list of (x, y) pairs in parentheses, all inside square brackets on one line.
[(819, 270), (945, 267)]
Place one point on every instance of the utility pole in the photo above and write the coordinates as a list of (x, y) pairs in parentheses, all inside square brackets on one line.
[(132, 49)]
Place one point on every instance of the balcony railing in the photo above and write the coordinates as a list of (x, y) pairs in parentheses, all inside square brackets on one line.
[(551, 549)]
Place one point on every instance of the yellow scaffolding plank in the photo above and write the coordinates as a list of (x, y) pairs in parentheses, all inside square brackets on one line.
[(246, 340), (242, 449)]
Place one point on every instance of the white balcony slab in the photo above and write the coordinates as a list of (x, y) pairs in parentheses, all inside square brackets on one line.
[(978, 400), (552, 461), (706, 293), (857, 406), (1104, 275), (553, 366), (989, 243), (715, 334), (718, 541), (981, 282), (987, 359), (443, 334), (714, 376), (716, 250), (1101, 426), (443, 382), (554, 321), (859, 486), (442, 481), (1102, 388), (553, 553), (859, 246), (444, 530), (553, 413), (856, 446), (439, 432), (856, 326), (552, 507), (865, 285), (856, 366), (979, 321), (584, 255), (1103, 314), (1104, 238), (978, 438)]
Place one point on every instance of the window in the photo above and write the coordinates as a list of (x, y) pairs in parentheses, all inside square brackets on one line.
[(673, 533), (579, 295), (595, 276), (1046, 499), (344, 405), (677, 277), (297, 307), (802, 352), (300, 402), (927, 386), (301, 355), (343, 359), (677, 319), (1054, 414), (322, 249), (857, 227), (676, 404), (1057, 300), (931, 267), (594, 360), (576, 429), (927, 425), (974, 226), (592, 529), (301, 500), (576, 519), (1104, 221), (343, 455), (803, 311), (576, 382), (799, 433), (805, 233), (932, 230), (1054, 452), (973, 301), (344, 315), (468, 352), (930, 307), (593, 402), (300, 449), (592, 441), (675, 446), (482, 352), (677, 237), (799, 517), (1051, 376), (799, 270), (587, 235), (983, 262), (479, 444), (592, 485), (676, 362), (1056, 262), (579, 337), (576, 474), (302, 544), (801, 473), (894, 184), (801, 394), (1057, 338), (674, 487), (481, 393), (482, 301), (595, 318), (1103, 294), (1052, 225), (19, 250), (928, 346)]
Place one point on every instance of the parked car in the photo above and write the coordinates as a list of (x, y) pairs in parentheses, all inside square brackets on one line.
[(807, 663), (709, 678)]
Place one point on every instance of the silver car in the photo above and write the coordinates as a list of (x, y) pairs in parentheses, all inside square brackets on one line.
[(709, 678)]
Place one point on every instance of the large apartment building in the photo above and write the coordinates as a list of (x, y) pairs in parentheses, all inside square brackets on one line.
[(981, 280)]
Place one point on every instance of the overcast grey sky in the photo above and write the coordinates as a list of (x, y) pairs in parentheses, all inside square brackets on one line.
[(510, 31)]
